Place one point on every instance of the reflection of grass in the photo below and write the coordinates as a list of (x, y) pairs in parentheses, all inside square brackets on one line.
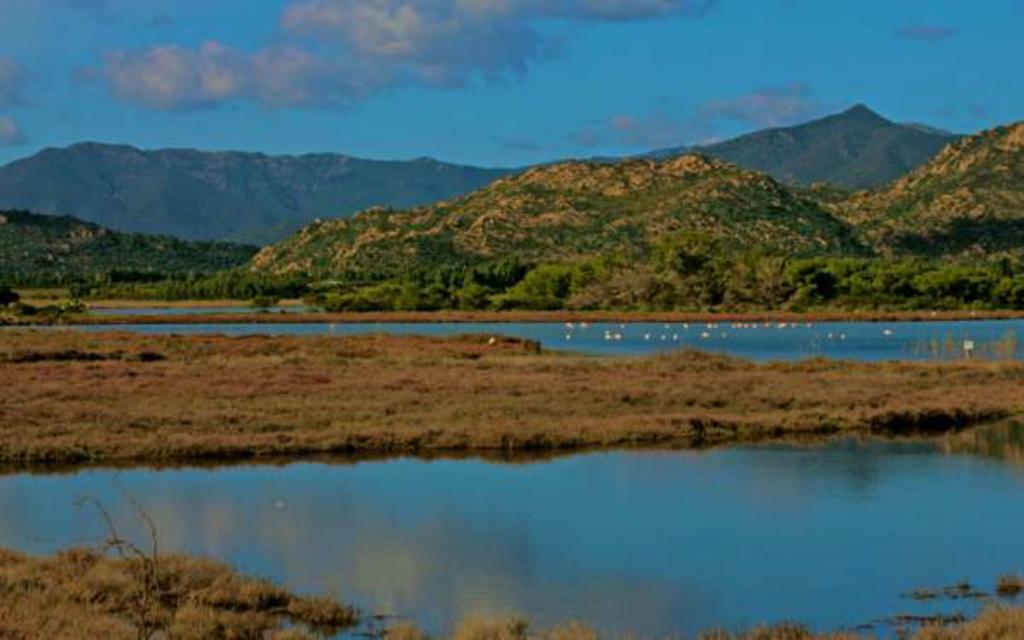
[(220, 398), (1001, 441), (82, 593), (952, 347)]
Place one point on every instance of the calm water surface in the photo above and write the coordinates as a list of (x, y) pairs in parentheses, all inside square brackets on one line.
[(849, 340), (653, 542)]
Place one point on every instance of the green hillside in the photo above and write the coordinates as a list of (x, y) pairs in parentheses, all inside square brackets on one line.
[(36, 248), (968, 200), (568, 212)]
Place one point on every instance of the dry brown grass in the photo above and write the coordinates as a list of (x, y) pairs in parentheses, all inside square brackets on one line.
[(81, 593), (1010, 586), (218, 398), (996, 623)]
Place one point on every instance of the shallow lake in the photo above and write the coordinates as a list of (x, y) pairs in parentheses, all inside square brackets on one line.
[(771, 341), (649, 542)]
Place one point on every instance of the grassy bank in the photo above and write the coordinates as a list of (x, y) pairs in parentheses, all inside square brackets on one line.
[(73, 397), (996, 623), (83, 593)]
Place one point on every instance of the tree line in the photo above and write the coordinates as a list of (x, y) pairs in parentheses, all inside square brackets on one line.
[(688, 272)]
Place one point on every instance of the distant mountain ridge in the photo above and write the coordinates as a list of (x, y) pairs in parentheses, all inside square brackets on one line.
[(36, 246), (257, 198), (967, 200), (200, 195), (855, 149)]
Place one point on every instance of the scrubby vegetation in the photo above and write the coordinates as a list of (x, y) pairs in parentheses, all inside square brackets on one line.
[(72, 397), (49, 250), (692, 273)]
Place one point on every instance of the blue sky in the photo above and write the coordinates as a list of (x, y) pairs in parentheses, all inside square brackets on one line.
[(490, 82)]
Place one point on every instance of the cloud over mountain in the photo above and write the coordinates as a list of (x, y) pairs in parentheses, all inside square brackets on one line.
[(766, 107), (10, 132)]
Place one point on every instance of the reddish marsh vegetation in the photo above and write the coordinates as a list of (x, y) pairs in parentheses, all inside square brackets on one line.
[(74, 397)]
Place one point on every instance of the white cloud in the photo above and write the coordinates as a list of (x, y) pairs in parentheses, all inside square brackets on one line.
[(768, 107), (339, 51), (10, 132), (173, 77)]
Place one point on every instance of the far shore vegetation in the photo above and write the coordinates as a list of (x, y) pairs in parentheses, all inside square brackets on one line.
[(687, 274), (73, 397)]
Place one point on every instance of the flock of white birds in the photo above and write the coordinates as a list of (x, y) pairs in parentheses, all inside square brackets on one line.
[(671, 332)]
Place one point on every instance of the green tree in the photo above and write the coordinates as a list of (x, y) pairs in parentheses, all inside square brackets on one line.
[(8, 296)]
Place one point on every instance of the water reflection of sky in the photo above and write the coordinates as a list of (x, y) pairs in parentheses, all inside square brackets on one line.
[(654, 543), (788, 341)]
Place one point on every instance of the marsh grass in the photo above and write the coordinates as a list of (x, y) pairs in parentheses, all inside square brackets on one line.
[(84, 593), (995, 623), (1010, 586), (126, 397)]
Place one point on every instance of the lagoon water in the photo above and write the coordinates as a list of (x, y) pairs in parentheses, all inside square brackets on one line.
[(772, 341), (654, 543)]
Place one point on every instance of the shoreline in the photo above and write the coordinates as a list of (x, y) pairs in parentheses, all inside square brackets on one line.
[(113, 398), (536, 317), (118, 590)]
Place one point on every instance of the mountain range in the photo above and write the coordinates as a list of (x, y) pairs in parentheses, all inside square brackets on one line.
[(967, 200), (198, 195), (855, 149), (258, 198)]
